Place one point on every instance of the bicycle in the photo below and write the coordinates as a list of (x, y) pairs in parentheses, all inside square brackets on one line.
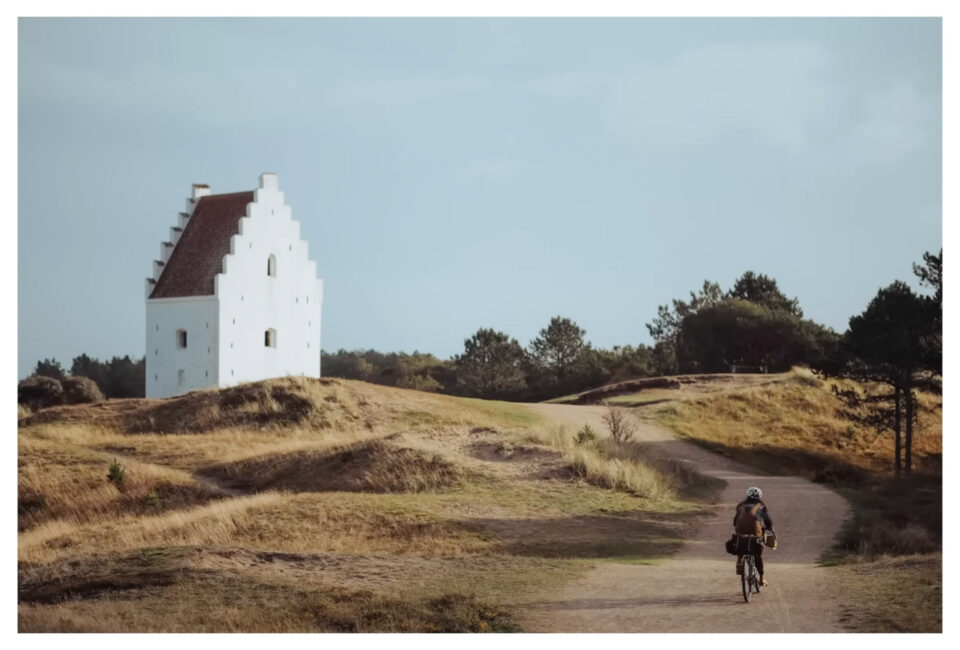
[(749, 577)]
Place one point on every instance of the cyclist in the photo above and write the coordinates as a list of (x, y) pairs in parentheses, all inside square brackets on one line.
[(752, 519)]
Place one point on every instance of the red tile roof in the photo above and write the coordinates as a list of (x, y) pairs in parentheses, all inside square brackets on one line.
[(198, 255)]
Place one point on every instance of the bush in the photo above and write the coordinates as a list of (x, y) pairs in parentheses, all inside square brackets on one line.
[(585, 435), (38, 392), (116, 474), (618, 421), (80, 390), (425, 383)]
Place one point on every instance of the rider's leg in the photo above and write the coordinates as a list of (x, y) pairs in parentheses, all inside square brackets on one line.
[(758, 558), (739, 564)]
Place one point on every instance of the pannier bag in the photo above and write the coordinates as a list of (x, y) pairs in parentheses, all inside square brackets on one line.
[(731, 545), (742, 545), (770, 539)]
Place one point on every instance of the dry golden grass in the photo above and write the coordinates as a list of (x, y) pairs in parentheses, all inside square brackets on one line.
[(167, 601), (631, 467), (371, 466), (799, 425), (68, 482), (281, 405), (294, 481)]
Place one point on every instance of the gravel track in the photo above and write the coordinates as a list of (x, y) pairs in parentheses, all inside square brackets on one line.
[(697, 590)]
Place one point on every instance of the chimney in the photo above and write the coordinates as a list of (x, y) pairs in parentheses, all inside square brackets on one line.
[(200, 191), (268, 180)]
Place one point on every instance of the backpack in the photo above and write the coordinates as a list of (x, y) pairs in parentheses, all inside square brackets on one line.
[(748, 523)]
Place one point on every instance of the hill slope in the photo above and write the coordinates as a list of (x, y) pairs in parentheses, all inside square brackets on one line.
[(311, 505)]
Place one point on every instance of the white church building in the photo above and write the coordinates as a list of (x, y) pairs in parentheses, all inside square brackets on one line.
[(234, 296)]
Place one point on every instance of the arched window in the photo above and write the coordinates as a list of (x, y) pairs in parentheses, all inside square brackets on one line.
[(272, 266), (181, 338), (270, 338)]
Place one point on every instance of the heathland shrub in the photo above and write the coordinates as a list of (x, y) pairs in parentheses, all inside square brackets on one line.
[(38, 392), (618, 421), (80, 390), (425, 383), (585, 435), (116, 474)]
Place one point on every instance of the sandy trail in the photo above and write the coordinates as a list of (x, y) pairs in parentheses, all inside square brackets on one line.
[(698, 590)]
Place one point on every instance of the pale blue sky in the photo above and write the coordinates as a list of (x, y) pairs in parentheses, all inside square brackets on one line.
[(456, 174)]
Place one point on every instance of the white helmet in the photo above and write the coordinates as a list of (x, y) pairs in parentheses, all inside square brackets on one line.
[(754, 493)]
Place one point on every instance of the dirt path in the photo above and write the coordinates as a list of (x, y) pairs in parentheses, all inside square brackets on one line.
[(698, 590)]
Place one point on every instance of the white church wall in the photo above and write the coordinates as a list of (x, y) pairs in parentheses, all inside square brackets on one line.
[(170, 369), (253, 302)]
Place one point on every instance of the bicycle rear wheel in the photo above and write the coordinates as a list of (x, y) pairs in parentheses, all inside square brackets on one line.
[(745, 577)]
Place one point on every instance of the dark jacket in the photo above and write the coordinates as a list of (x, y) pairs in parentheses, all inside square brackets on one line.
[(747, 505)]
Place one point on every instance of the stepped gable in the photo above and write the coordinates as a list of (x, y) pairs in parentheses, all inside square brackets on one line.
[(198, 255)]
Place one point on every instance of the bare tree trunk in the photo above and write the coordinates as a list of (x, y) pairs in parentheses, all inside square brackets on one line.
[(909, 441), (897, 397)]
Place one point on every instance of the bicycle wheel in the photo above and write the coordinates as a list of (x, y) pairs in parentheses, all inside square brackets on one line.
[(745, 577)]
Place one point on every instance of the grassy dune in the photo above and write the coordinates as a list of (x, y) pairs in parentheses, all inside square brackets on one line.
[(798, 424), (319, 505)]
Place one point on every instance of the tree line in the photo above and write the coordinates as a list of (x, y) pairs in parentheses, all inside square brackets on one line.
[(116, 377), (752, 327)]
